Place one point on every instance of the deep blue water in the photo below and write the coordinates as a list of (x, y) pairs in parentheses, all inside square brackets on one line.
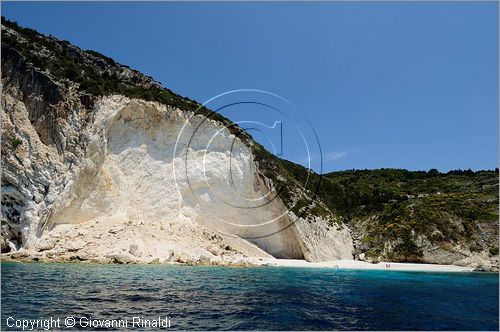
[(268, 298)]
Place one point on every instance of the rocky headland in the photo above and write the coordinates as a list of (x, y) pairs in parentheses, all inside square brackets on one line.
[(94, 169)]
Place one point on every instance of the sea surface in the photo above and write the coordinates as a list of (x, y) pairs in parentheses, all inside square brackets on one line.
[(265, 298)]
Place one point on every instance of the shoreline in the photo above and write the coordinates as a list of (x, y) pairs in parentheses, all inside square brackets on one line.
[(348, 264), (250, 262)]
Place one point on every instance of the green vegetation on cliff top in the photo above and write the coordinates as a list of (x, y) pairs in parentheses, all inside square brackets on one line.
[(458, 207), (65, 65)]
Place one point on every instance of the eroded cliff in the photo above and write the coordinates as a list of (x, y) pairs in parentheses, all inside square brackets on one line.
[(102, 163), (110, 178)]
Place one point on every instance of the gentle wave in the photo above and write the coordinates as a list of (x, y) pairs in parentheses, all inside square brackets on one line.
[(267, 298)]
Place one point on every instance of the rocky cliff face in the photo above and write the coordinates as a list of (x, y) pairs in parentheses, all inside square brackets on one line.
[(91, 173)]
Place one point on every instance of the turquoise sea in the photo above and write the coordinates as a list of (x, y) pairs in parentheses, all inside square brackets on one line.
[(267, 298)]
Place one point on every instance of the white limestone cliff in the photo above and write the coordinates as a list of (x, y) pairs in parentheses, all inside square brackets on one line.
[(150, 183)]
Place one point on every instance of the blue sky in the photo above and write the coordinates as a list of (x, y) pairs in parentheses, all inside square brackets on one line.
[(404, 85)]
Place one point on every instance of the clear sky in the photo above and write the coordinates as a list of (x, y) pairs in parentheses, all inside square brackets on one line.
[(404, 85)]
